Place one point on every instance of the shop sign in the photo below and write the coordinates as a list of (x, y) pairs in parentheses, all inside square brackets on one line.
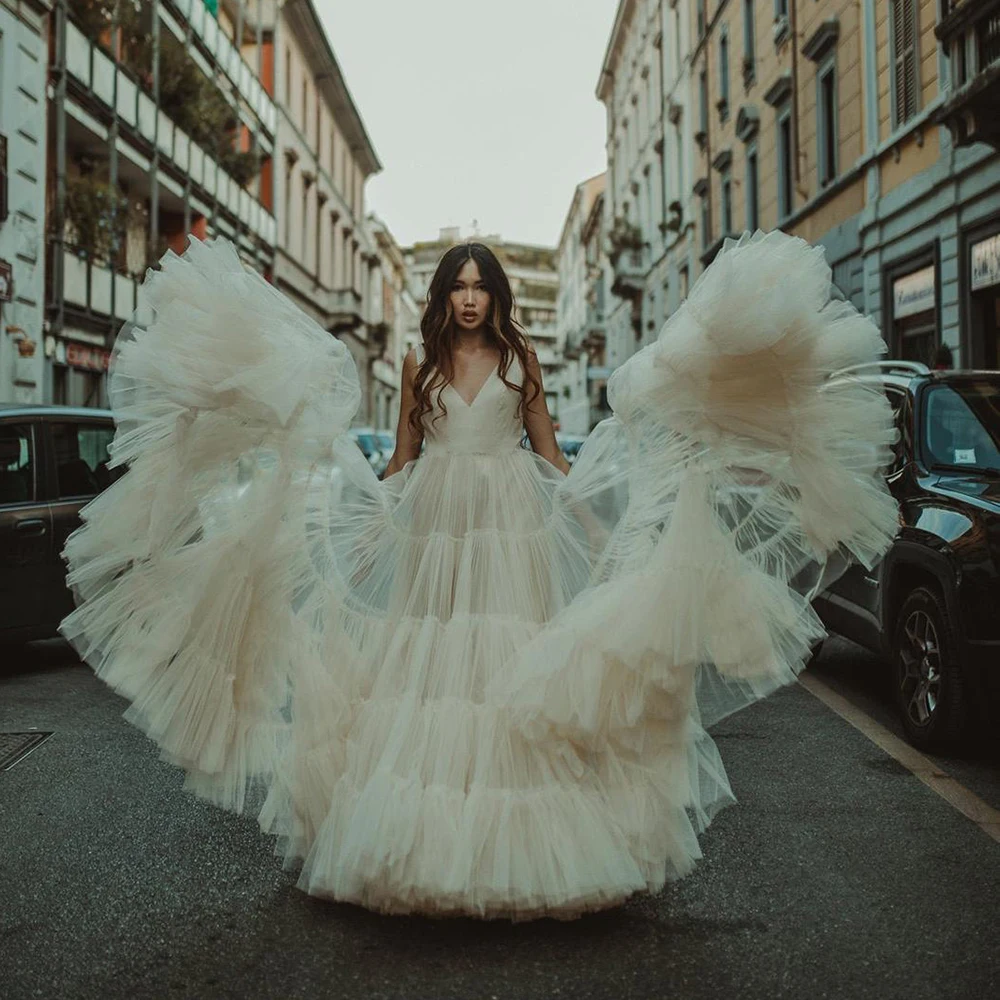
[(94, 359), (913, 293), (986, 263), (6, 281)]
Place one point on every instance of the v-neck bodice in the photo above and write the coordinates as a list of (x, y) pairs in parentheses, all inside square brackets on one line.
[(488, 425)]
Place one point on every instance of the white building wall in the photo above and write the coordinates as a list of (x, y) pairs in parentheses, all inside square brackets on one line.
[(23, 63)]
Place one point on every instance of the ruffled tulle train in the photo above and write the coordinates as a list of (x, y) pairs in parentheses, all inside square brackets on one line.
[(480, 686)]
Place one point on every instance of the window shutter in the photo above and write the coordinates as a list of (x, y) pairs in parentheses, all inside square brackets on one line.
[(904, 41), (3, 178)]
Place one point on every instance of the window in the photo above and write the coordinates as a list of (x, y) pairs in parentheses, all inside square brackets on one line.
[(81, 454), (753, 187), (288, 209), (706, 223), (17, 466), (749, 42), (960, 63), (305, 103), (305, 218), (785, 164), (703, 101), (727, 204), (903, 40), (679, 148), (677, 43), (826, 125), (700, 10), (288, 77), (723, 74), (780, 9)]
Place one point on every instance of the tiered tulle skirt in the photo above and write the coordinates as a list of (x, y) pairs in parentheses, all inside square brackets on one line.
[(479, 686)]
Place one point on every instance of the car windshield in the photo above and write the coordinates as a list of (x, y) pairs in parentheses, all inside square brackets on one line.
[(961, 427)]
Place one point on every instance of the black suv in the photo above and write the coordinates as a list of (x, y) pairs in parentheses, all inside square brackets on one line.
[(932, 605), (53, 460)]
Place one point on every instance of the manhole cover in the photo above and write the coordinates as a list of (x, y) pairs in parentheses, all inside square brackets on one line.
[(17, 746)]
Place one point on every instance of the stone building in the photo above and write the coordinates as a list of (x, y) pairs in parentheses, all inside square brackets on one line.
[(326, 259), (23, 69), (583, 283), (161, 123), (645, 85), (397, 316), (867, 127)]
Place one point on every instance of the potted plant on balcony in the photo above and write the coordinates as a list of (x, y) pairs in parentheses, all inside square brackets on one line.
[(97, 213), (624, 235)]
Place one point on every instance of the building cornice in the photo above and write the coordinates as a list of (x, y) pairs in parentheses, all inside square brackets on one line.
[(311, 35), (623, 18)]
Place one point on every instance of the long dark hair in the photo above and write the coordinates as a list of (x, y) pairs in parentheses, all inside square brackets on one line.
[(440, 334)]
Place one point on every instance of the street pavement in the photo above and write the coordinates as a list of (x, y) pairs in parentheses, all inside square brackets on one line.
[(837, 875)]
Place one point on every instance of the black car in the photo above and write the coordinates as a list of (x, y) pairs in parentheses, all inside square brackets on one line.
[(932, 605), (53, 460)]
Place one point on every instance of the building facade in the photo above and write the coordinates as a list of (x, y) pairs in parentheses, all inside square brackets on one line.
[(860, 126), (645, 84), (326, 259), (866, 126), (23, 70), (395, 312), (161, 123), (580, 308)]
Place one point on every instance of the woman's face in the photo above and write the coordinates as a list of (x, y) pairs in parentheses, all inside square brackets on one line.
[(469, 298)]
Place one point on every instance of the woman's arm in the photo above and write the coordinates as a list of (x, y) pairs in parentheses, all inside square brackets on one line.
[(407, 443), (538, 423)]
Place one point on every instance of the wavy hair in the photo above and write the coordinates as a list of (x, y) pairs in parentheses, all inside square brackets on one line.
[(440, 332)]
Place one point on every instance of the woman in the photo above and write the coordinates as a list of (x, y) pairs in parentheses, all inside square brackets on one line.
[(478, 686)]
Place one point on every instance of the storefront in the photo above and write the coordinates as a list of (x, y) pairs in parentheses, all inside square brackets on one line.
[(913, 305), (984, 302), (79, 373)]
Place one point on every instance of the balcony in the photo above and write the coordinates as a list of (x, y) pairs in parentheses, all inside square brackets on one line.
[(228, 58), (594, 329), (969, 32), (343, 307), (629, 273), (94, 290), (98, 85)]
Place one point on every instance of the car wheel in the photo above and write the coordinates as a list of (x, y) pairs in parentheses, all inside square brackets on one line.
[(929, 686)]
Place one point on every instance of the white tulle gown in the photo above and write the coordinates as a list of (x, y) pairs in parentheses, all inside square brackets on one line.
[(481, 685)]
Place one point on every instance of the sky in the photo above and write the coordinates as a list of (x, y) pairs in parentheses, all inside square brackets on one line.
[(478, 109)]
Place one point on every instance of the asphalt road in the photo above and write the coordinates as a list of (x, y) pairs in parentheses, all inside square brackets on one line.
[(838, 874)]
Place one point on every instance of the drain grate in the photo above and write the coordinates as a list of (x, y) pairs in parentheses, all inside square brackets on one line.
[(17, 746)]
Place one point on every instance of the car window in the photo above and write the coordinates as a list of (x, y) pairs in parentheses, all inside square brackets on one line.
[(18, 482), (900, 450), (366, 442), (961, 426), (81, 455)]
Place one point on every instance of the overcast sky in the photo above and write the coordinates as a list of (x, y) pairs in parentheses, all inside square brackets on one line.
[(477, 109)]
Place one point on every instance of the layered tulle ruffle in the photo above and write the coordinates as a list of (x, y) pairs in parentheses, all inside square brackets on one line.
[(481, 685)]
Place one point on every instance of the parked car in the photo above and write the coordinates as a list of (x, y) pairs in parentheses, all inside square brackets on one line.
[(53, 461), (569, 445), (387, 444), (368, 442), (932, 605)]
